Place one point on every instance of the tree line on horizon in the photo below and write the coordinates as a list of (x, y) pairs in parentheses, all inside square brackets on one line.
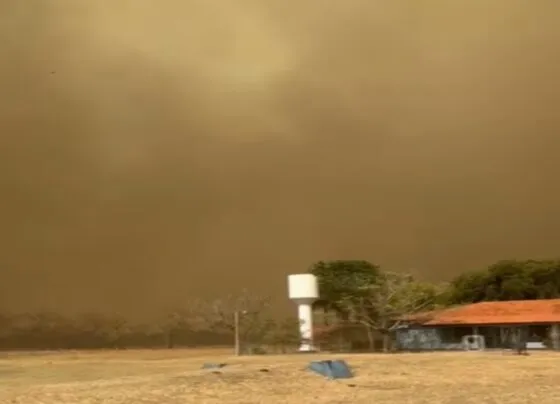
[(198, 323), (357, 292)]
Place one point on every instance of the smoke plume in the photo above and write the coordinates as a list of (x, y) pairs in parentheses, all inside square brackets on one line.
[(156, 150)]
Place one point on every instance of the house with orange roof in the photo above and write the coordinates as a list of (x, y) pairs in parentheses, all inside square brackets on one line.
[(535, 323)]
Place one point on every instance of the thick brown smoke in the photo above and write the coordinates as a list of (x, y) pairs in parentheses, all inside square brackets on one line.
[(155, 150)]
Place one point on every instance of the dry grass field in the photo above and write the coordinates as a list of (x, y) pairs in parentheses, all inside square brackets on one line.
[(162, 377)]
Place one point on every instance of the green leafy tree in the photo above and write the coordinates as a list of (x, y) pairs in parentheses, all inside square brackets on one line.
[(508, 280), (469, 287), (546, 278), (342, 280)]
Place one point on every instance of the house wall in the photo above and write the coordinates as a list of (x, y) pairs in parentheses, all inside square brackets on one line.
[(424, 339), (450, 338)]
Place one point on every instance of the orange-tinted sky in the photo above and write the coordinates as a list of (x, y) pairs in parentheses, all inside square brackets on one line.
[(156, 150)]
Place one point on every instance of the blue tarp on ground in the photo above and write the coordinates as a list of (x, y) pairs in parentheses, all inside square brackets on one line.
[(337, 369)]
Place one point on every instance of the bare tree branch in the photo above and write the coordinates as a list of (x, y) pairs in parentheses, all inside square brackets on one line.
[(382, 304)]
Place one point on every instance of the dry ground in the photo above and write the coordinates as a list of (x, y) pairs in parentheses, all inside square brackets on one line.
[(162, 377)]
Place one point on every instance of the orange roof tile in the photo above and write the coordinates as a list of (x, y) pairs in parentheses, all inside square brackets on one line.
[(512, 312)]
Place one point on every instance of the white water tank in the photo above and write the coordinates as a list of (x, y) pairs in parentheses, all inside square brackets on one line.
[(303, 289)]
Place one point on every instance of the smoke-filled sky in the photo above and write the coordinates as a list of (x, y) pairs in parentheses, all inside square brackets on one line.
[(154, 150)]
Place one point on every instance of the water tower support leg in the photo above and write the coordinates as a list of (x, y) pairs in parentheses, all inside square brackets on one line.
[(305, 314)]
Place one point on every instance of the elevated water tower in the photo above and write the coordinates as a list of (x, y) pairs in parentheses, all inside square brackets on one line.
[(303, 289)]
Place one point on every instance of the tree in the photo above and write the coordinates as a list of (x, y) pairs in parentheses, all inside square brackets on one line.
[(468, 287), (391, 296), (116, 328), (546, 278), (180, 321), (508, 280), (250, 310), (342, 280), (283, 334)]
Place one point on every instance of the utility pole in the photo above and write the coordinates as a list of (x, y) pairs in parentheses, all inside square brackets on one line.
[(236, 315)]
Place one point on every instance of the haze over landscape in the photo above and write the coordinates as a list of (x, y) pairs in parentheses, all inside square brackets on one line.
[(155, 150)]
